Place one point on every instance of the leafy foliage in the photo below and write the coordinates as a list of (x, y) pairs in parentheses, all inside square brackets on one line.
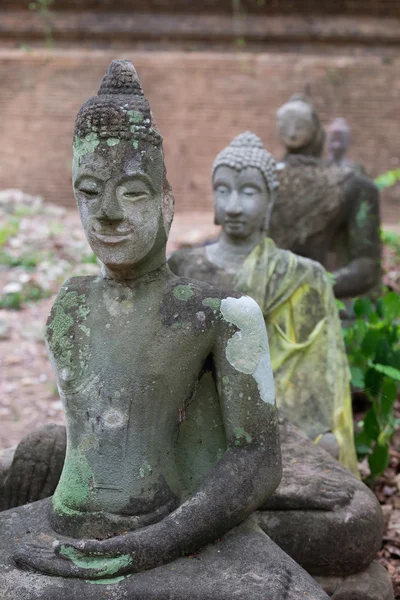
[(388, 179), (373, 347)]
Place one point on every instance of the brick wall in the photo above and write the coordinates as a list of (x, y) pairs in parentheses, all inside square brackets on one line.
[(368, 7), (200, 101)]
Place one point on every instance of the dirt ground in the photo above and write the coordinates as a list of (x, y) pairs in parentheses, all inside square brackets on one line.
[(40, 246)]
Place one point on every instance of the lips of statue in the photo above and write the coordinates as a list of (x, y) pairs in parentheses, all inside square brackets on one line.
[(119, 195), (241, 199), (295, 125)]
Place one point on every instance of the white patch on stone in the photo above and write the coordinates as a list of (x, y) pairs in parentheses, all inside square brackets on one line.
[(114, 418), (248, 350)]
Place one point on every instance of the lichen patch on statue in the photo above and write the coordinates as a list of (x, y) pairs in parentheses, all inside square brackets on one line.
[(247, 350)]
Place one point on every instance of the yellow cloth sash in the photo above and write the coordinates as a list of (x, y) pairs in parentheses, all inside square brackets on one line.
[(312, 377)]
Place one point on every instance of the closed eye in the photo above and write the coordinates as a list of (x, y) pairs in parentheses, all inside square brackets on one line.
[(90, 193), (135, 195)]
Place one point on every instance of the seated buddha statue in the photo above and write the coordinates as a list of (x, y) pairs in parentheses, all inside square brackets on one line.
[(326, 212), (312, 378), (171, 423), (338, 142)]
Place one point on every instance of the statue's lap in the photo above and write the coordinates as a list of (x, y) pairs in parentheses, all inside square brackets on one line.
[(244, 564)]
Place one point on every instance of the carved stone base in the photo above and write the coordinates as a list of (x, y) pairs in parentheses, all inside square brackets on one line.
[(372, 584)]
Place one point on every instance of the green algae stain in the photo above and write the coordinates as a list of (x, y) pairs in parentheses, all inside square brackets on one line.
[(135, 116), (83, 146), (183, 292), (135, 144), (103, 565), (83, 311), (85, 330), (241, 435), (74, 486), (213, 303), (106, 581), (112, 141), (362, 215), (57, 330)]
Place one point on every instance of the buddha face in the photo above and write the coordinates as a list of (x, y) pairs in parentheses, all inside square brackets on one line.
[(295, 125), (119, 194), (338, 142), (241, 201)]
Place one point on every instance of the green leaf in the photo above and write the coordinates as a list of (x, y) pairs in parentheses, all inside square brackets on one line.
[(387, 370), (363, 444), (391, 306), (370, 342), (379, 459), (357, 377), (371, 425)]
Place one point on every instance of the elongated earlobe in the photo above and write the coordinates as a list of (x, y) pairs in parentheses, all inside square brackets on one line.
[(268, 213)]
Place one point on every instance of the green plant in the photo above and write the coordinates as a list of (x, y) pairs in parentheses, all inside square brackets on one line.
[(388, 179), (42, 8), (9, 229), (373, 347), (391, 239)]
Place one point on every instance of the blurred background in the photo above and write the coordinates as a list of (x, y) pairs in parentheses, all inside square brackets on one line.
[(211, 69)]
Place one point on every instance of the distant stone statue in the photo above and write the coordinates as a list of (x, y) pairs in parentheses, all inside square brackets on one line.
[(339, 138), (308, 355), (325, 212), (169, 399)]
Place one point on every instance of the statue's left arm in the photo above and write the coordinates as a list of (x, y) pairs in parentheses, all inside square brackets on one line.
[(250, 470), (363, 270)]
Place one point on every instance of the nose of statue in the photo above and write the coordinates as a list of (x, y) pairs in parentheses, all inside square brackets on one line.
[(110, 209), (233, 207)]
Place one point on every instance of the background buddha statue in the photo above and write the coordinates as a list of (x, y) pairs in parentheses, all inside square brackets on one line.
[(339, 139), (325, 212), (308, 355), (172, 429)]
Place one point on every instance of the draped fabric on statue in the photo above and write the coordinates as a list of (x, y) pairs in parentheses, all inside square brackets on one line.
[(309, 361)]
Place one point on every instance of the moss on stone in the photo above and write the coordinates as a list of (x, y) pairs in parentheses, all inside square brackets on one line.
[(213, 303), (112, 141), (135, 116), (74, 487), (103, 565), (183, 292), (83, 146)]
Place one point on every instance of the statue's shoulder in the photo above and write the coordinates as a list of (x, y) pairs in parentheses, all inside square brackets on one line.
[(72, 299), (182, 261), (192, 300)]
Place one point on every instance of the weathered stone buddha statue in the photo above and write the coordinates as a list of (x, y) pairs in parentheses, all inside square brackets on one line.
[(308, 355), (339, 138), (172, 430), (325, 212)]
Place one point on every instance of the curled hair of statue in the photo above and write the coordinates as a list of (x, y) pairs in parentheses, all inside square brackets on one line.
[(119, 110)]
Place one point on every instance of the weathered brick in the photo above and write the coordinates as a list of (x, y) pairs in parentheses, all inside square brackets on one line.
[(200, 101)]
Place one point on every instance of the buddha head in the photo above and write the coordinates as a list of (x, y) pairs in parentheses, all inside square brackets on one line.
[(245, 184), (299, 127), (119, 177), (338, 138)]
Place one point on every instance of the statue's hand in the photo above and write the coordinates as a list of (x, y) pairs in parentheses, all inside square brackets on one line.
[(64, 559), (316, 493)]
